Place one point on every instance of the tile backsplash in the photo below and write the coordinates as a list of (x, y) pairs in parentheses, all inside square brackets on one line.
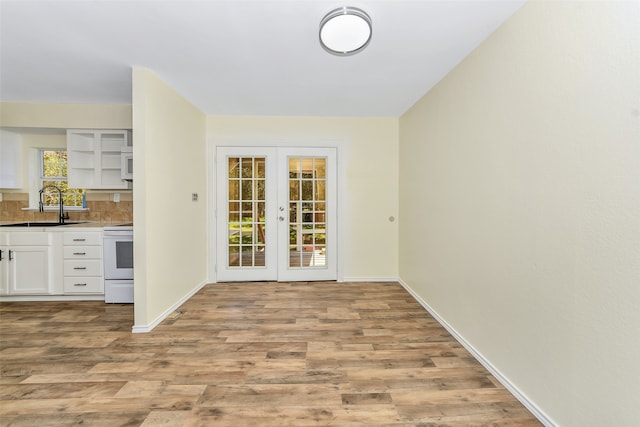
[(101, 209)]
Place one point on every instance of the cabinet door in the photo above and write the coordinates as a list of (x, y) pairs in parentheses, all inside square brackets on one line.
[(29, 270), (10, 159), (4, 270)]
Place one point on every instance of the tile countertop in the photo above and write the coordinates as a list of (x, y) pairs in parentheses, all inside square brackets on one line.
[(87, 226)]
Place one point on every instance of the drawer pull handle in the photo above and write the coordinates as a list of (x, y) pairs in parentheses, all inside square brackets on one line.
[(79, 240), (79, 268), (79, 253), (80, 284)]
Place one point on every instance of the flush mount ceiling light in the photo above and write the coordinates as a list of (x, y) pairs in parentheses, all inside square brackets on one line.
[(345, 31)]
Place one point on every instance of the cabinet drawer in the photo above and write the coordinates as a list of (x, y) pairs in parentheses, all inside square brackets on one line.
[(30, 238), (88, 267), (82, 238), (83, 285), (83, 252)]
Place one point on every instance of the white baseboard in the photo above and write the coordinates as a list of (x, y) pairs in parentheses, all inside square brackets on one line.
[(44, 298), (370, 279), (140, 329), (539, 414)]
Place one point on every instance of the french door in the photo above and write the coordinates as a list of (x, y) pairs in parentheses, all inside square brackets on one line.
[(276, 214)]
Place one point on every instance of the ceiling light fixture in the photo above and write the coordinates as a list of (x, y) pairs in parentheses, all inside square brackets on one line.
[(345, 31)]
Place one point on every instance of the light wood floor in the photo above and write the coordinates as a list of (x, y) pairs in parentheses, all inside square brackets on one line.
[(247, 354)]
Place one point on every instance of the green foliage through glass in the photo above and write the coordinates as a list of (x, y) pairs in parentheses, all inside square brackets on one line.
[(54, 172)]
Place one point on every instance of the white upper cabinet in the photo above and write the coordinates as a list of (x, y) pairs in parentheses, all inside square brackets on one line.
[(10, 159), (94, 158)]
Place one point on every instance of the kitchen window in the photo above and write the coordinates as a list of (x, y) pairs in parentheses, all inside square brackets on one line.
[(53, 171)]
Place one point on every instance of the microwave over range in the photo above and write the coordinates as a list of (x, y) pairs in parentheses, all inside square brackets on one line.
[(126, 163)]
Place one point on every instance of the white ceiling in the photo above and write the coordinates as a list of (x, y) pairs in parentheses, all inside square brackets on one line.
[(237, 57)]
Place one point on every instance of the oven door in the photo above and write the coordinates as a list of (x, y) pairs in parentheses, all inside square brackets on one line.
[(118, 258)]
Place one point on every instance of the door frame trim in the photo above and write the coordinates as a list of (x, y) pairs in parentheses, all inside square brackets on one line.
[(212, 214)]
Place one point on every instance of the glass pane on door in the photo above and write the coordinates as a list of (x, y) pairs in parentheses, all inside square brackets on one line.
[(307, 212), (246, 222)]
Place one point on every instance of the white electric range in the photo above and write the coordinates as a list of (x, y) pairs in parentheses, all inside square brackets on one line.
[(118, 263)]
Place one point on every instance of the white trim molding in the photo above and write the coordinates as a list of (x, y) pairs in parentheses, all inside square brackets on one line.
[(141, 329), (537, 412), (370, 279)]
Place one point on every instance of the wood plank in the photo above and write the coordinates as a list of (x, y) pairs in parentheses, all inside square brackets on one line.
[(247, 354)]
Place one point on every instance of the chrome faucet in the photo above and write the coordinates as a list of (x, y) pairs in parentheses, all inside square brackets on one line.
[(63, 216)]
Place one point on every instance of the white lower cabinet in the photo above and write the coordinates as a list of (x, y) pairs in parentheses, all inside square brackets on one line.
[(30, 263), (83, 272), (51, 263)]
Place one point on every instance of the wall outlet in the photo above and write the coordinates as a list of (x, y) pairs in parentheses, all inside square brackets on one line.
[(194, 197), (116, 197)]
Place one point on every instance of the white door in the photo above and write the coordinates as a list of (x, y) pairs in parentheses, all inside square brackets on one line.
[(276, 214)]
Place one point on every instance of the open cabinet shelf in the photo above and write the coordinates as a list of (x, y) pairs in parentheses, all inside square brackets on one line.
[(94, 158)]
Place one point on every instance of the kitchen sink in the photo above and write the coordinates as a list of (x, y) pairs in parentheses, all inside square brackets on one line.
[(38, 224)]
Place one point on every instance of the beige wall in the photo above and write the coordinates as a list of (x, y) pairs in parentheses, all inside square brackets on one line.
[(65, 116), (520, 205), (368, 156), (170, 230)]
